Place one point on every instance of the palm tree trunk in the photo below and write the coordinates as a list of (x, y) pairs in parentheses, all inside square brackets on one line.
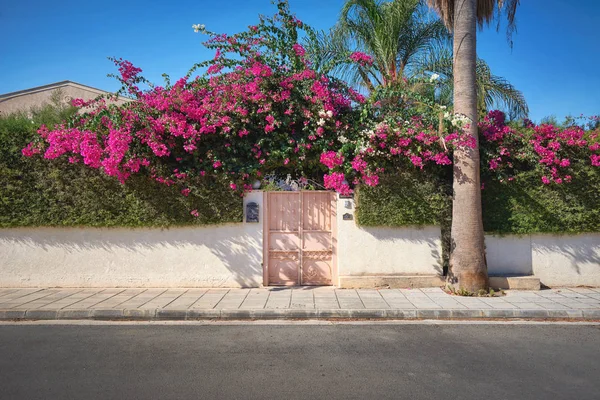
[(467, 260)]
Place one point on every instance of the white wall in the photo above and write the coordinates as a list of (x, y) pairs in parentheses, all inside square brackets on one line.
[(370, 251), (558, 260), (218, 256)]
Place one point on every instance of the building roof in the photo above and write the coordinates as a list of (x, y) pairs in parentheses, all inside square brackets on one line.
[(55, 85)]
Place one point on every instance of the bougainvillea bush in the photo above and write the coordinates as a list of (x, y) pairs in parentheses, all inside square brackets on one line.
[(554, 153), (259, 108)]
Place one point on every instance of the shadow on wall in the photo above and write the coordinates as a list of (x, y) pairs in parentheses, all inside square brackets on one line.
[(414, 237), (161, 252), (578, 249)]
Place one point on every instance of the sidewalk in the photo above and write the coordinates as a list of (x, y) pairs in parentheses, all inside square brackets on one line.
[(290, 303)]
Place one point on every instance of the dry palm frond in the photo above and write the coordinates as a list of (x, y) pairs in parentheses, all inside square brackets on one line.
[(487, 11)]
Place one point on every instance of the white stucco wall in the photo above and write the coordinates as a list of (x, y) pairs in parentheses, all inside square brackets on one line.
[(217, 256), (371, 251), (558, 260)]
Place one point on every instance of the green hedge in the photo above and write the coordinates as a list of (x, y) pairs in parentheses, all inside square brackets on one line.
[(522, 206), (408, 198), (526, 205), (38, 192)]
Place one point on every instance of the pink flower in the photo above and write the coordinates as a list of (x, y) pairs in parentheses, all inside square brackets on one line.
[(361, 58), (371, 180), (331, 159), (195, 213), (217, 164), (299, 50), (337, 182)]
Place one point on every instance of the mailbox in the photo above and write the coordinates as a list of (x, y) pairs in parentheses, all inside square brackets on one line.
[(252, 212)]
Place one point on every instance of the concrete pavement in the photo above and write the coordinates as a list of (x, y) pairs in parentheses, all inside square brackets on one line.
[(304, 302)]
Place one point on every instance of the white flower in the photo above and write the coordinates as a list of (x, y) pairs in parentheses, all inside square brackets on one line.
[(198, 27), (443, 107), (342, 139), (434, 78), (329, 114), (321, 122)]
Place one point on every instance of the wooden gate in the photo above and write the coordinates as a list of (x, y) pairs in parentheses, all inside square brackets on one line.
[(300, 238)]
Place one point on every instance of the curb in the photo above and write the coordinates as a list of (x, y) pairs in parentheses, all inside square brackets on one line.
[(274, 314)]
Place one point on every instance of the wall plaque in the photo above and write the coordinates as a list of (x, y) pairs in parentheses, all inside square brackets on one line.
[(348, 217), (252, 212)]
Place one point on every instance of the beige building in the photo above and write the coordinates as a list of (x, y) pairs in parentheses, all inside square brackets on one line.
[(37, 97)]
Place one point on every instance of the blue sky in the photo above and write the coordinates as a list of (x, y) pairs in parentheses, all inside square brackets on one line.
[(554, 60)]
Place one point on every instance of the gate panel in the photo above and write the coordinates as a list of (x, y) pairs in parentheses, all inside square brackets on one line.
[(300, 238), (283, 238), (317, 238)]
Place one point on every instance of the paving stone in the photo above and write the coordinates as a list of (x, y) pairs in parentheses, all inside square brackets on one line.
[(473, 303), (423, 304), (392, 295), (582, 290), (95, 299), (4, 292), (141, 299), (405, 305), (279, 299), (47, 300), (16, 293), (164, 299), (498, 303), (326, 300), (518, 299), (120, 298), (67, 301), (590, 301), (302, 299), (187, 299), (23, 300), (530, 306), (232, 299), (554, 306), (451, 305), (434, 290), (210, 299)]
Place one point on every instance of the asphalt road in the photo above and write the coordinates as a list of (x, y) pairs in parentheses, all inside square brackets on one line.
[(300, 362)]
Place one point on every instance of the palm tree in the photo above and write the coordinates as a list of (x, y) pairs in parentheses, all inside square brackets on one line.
[(405, 40), (493, 91), (467, 259), (392, 33)]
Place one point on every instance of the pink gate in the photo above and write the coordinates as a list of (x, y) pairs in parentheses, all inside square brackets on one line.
[(300, 238)]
